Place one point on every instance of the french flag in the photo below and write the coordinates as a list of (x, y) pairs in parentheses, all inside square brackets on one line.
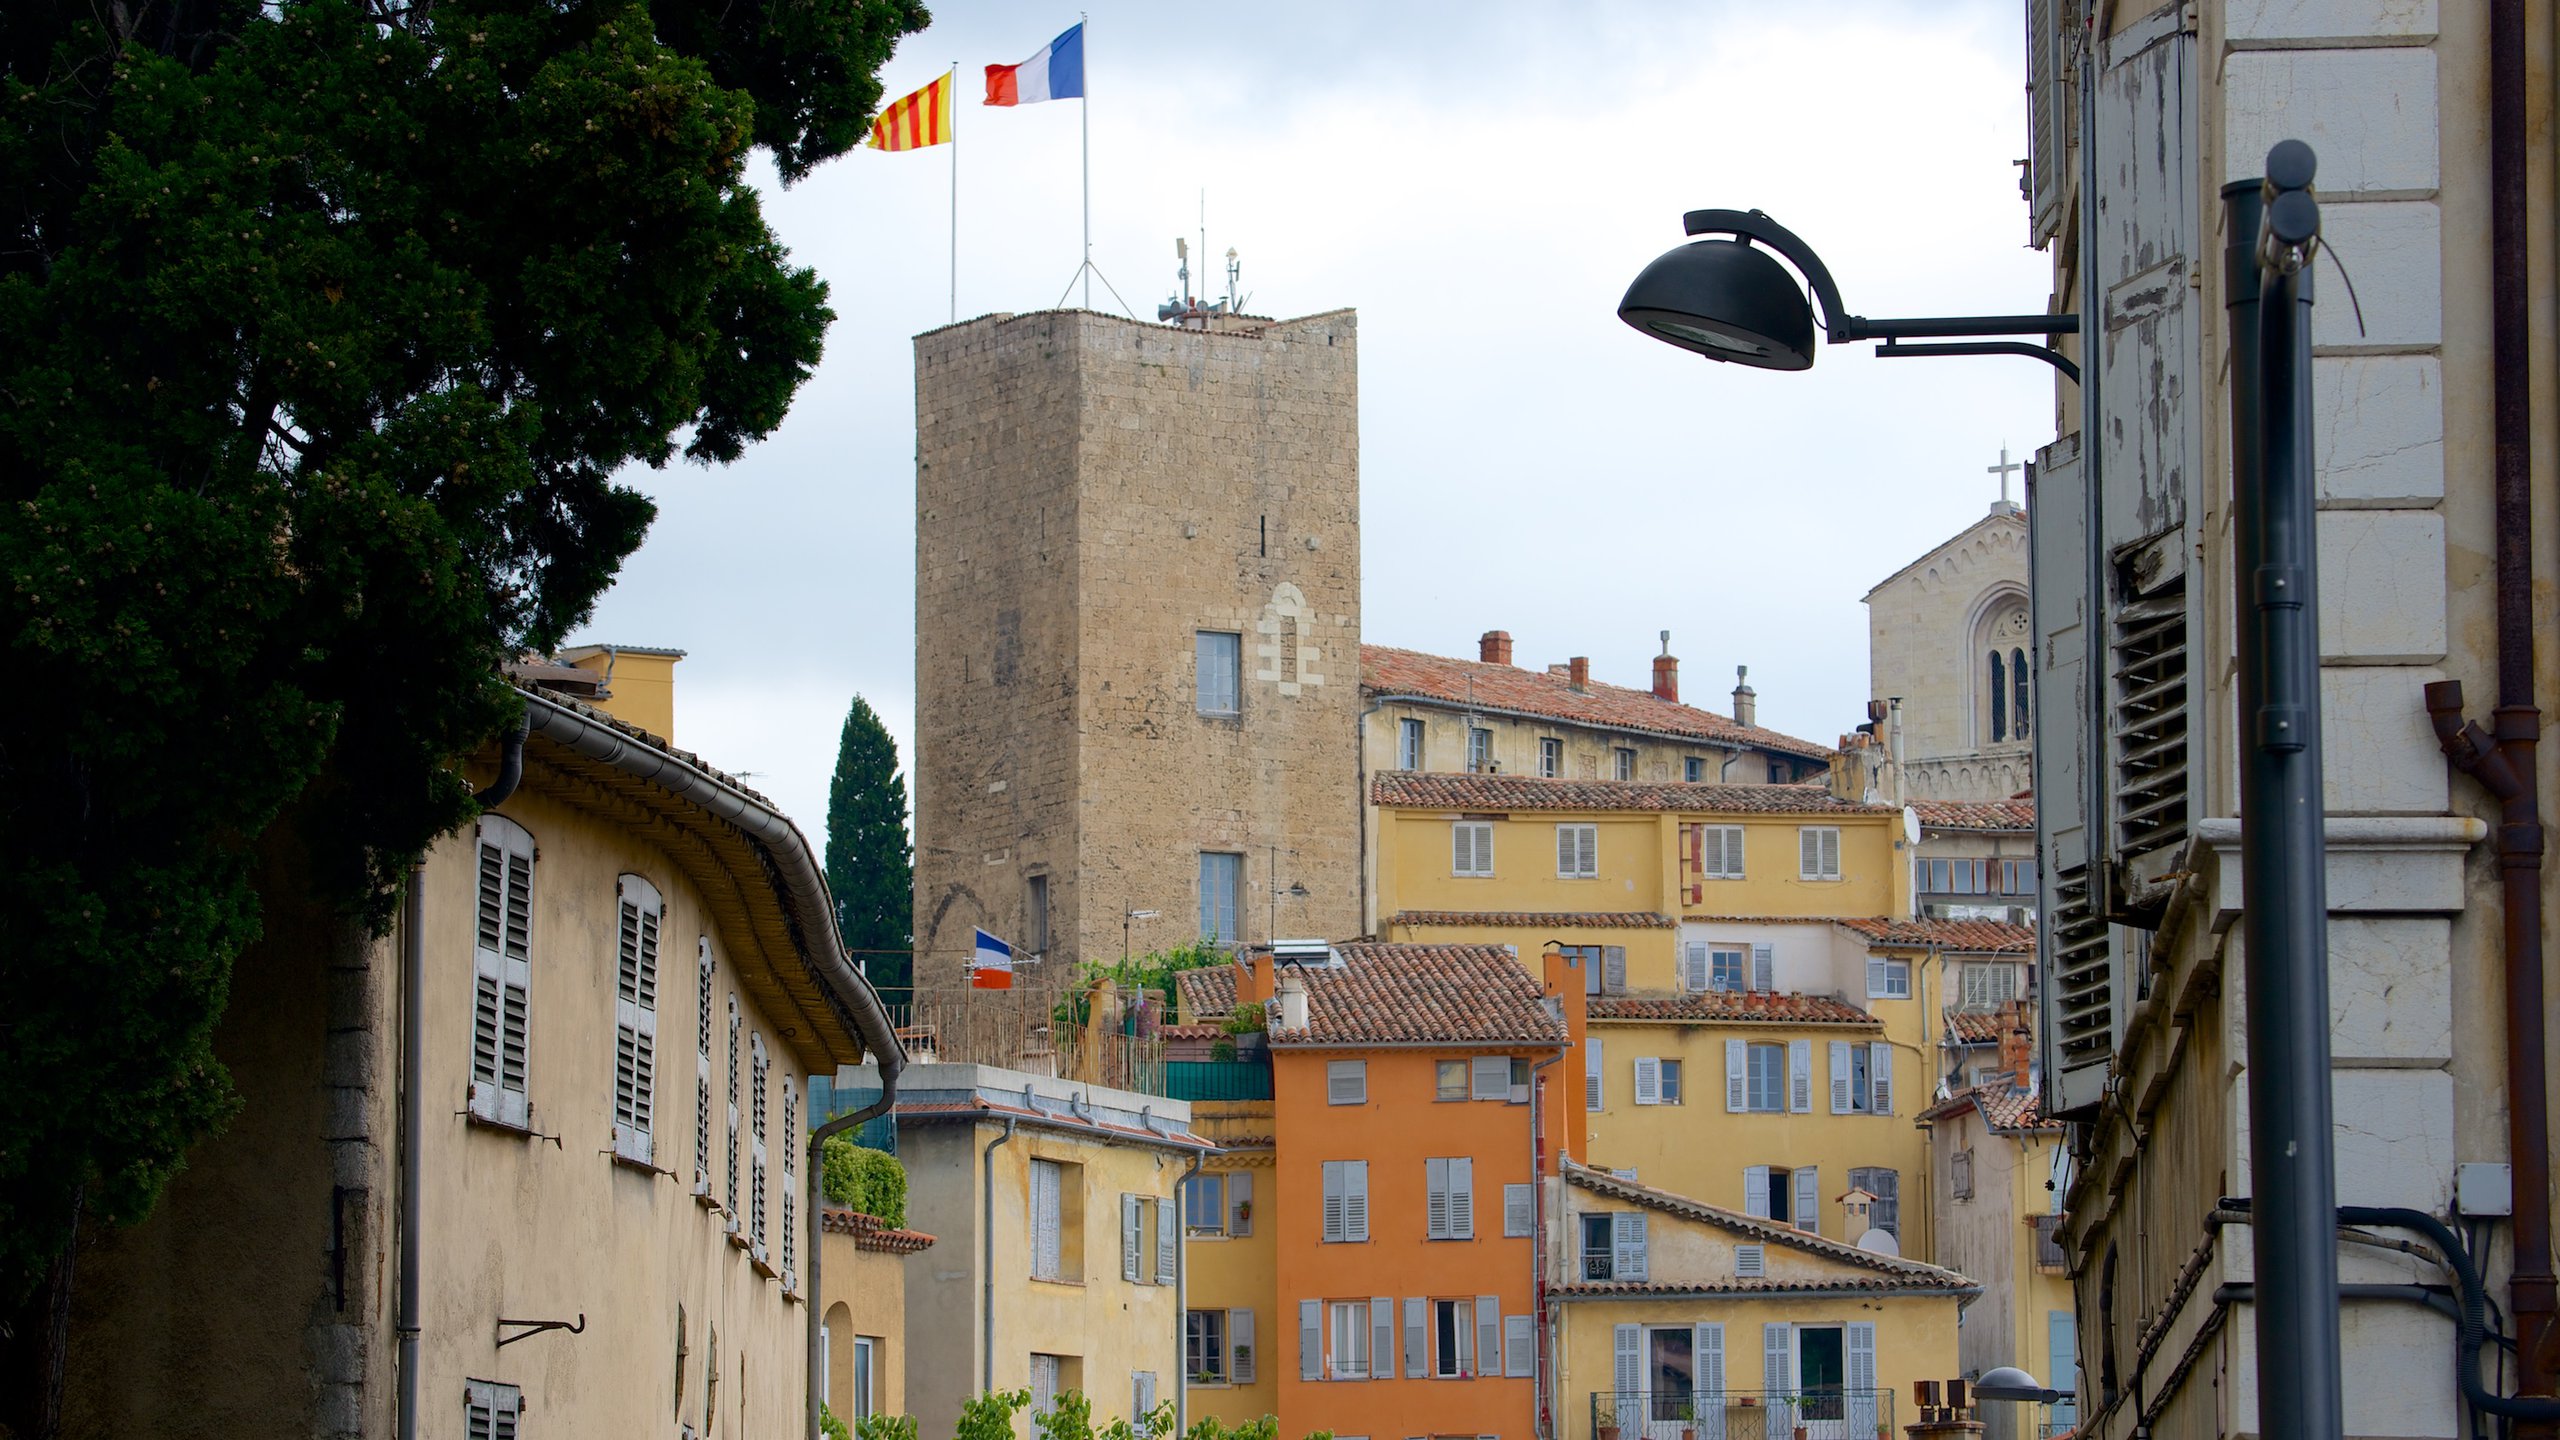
[(1056, 73)]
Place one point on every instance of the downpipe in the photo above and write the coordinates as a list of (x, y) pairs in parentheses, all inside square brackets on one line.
[(1182, 1296), (891, 1066), (987, 1246)]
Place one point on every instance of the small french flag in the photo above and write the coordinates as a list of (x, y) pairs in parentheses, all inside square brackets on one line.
[(990, 964), (1056, 73)]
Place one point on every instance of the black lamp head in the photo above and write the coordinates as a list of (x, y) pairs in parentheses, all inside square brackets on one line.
[(1727, 300)]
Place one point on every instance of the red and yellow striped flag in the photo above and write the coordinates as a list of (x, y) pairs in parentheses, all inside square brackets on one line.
[(918, 120)]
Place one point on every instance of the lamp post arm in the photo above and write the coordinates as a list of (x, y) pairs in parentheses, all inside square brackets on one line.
[(1754, 225)]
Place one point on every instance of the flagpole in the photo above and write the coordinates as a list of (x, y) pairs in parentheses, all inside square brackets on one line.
[(1084, 124), (954, 84)]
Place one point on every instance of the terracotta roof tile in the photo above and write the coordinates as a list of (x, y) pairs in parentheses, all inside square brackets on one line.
[(1899, 1273), (1208, 992), (1482, 686), (1058, 1119), (1638, 1289), (870, 1234), (1973, 937), (1433, 790), (2006, 1107), (1732, 1007), (1532, 919), (1976, 814), (1394, 994)]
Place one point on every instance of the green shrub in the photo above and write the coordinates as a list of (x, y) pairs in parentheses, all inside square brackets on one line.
[(885, 1427), (830, 1426), (990, 1416), (871, 1181)]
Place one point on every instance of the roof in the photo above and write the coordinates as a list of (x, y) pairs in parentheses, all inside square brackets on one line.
[(1971, 937), (1537, 919), (1732, 1007), (2013, 814), (1895, 1272), (2007, 1107), (1666, 1290), (2014, 518), (930, 1112), (1974, 1027), (1483, 685), (1402, 994), (1433, 790), (1207, 992), (870, 1233)]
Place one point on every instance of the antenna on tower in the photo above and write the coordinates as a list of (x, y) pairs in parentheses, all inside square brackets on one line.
[(1182, 253), (1235, 302)]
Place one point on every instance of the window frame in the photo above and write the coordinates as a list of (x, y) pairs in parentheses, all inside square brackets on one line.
[(1206, 1182), (1881, 976), (1550, 757), (1440, 1088), (1410, 738), (1356, 1312), (1729, 847), (1479, 849), (1776, 1054), (1740, 955), (1035, 916), (1456, 1339), (1233, 676), (1586, 850), (1693, 769), (1826, 842), (1479, 750), (1336, 1072), (1624, 765), (1204, 1334), (1234, 898)]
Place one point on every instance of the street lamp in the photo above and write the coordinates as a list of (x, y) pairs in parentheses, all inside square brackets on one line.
[(1127, 915), (1730, 300), (2008, 1382)]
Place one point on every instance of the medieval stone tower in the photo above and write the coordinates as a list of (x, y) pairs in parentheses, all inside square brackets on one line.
[(1137, 635)]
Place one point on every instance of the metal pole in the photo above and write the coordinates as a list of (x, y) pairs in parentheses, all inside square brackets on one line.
[(952, 97), (413, 1130), (2283, 851), (1084, 129)]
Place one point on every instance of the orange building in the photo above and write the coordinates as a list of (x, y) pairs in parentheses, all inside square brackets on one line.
[(1417, 1091)]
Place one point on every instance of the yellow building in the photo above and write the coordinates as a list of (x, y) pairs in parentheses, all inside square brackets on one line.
[(1677, 1320), (1231, 1227), (628, 969), (862, 1334), (1059, 1263)]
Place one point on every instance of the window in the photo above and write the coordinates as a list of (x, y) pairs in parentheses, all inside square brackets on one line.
[(1778, 773), (1453, 1333), (1720, 852), (1755, 1077), (1597, 1237), (1888, 979), (1818, 849), (1204, 1346), (1346, 1082), (1861, 1078), (1479, 749), (1694, 770), (1492, 1077), (1960, 1174), (703, 969), (1613, 1246), (1221, 896), (1350, 1353), (1670, 1081), (1449, 1188), (2049, 1255), (1142, 1394), (1208, 1205), (635, 1021), (1449, 1080), (1725, 968), (1578, 852), (1035, 916), (1408, 744), (2017, 877), (1346, 1202), (1657, 1080), (1960, 877), (1550, 756), (1886, 1185), (490, 1411), (1471, 848), (1150, 1244), (1220, 671), (1592, 1086), (1047, 1376), (1989, 984), (1626, 769), (502, 974), (866, 1363), (1519, 1210), (1048, 1220), (1999, 697), (1790, 1197)]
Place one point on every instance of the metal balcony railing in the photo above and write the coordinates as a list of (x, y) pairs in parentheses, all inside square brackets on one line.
[(1822, 1414)]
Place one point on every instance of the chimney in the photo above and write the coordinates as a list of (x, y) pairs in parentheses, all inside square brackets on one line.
[(1666, 673), (1578, 670), (1289, 998), (2016, 1042), (1495, 647), (1746, 701)]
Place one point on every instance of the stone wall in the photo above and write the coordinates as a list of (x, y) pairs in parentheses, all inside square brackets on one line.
[(1928, 641)]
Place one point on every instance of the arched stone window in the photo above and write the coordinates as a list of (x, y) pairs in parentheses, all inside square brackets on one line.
[(1999, 698), (2001, 685)]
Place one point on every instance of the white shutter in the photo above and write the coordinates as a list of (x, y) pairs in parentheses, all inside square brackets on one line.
[(1045, 1256), (1488, 1335), (1462, 1198), (1519, 1347), (1168, 1239), (1839, 1077), (790, 1184), (1764, 968), (1519, 1210), (1808, 853), (502, 973), (1755, 1191), (635, 1020), (1630, 1369), (1587, 861), (1435, 1199), (1346, 1082), (1808, 1206), (1737, 1090), (737, 1046), (1875, 976), (1862, 1356), (761, 1067), (1310, 1339), (1800, 1076), (1382, 1338), (1417, 1341), (1240, 1203), (1648, 1080), (1706, 1360), (1613, 969), (1355, 1200), (1880, 1076), (1491, 1077), (1628, 1259), (1335, 1227), (1240, 1347), (1594, 1089), (702, 1074), (1565, 849), (1693, 967), (1830, 853), (1778, 1363)]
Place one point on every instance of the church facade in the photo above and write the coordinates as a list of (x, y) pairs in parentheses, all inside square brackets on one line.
[(1951, 647)]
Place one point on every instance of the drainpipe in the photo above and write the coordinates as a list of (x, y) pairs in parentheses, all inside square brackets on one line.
[(413, 1125), (1360, 812), (2502, 758), (987, 1246), (1538, 1362), (1182, 1298), (890, 1067)]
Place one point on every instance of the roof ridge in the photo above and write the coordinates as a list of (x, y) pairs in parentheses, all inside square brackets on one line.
[(1603, 1182)]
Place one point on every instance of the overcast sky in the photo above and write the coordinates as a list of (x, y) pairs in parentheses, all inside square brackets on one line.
[(1480, 181)]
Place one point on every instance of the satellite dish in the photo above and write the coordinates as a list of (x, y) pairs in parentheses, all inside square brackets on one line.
[(1880, 1242)]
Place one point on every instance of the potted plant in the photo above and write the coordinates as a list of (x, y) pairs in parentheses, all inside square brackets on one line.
[(1244, 1356), (1687, 1416), (1244, 1210)]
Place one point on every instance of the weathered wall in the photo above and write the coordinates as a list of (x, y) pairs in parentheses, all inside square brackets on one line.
[(1929, 628), (865, 1297)]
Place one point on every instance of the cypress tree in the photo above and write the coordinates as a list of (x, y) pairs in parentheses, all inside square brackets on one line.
[(869, 869)]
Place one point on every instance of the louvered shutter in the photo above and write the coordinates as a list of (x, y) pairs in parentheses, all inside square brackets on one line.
[(1417, 1337), (737, 1048), (1310, 1339), (1830, 852), (1168, 1239), (1875, 976), (502, 973), (1462, 1198), (1240, 1204), (1488, 1335), (635, 1020), (702, 1072), (1566, 850), (790, 1185), (1587, 856), (1800, 1076), (1240, 1346), (1045, 1255), (1519, 1347), (1355, 1200), (1750, 1262), (1382, 1338), (1491, 1077), (1808, 1206), (1755, 1191), (1630, 1373), (1614, 963), (760, 1065), (1594, 1090), (479, 1420), (1693, 863), (1519, 1210), (1764, 968), (1880, 1077), (1336, 1227), (1862, 1403), (1737, 1087), (1628, 1249), (2052, 114), (1808, 853), (1435, 1192), (1693, 967), (1706, 1401), (1840, 1077), (1648, 1080), (1778, 1371)]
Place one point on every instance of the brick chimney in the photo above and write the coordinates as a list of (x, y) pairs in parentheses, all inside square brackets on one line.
[(2017, 1042), (1746, 701), (1495, 647), (1578, 672), (1666, 673)]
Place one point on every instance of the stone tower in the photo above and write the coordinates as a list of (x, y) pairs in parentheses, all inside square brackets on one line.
[(1137, 635), (1948, 633)]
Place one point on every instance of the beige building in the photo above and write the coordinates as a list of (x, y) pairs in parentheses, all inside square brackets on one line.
[(2138, 126), (1137, 635), (1977, 860), (1059, 1259), (1950, 649), (627, 969), (862, 1331)]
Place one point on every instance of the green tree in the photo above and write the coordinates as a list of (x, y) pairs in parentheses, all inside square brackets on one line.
[(869, 869), (871, 1181), (325, 326)]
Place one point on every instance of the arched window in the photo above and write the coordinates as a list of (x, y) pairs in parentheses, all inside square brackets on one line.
[(2018, 691), (1999, 701)]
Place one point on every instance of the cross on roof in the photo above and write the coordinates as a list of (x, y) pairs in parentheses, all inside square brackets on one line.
[(2003, 470)]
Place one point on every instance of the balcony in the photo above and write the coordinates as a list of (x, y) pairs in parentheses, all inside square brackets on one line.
[(1741, 1415)]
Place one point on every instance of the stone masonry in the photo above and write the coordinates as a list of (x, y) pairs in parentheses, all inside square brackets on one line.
[(1092, 492), (1931, 628)]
